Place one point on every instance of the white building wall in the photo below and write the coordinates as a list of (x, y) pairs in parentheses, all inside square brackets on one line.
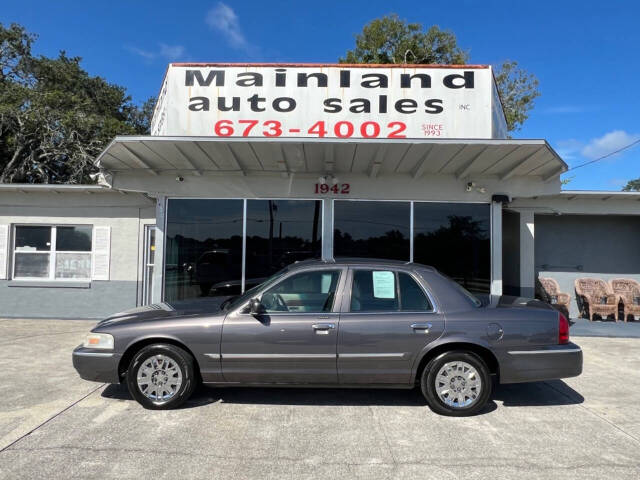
[(124, 214)]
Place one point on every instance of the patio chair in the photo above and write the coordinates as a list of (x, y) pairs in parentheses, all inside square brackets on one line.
[(549, 291), (628, 291), (595, 297)]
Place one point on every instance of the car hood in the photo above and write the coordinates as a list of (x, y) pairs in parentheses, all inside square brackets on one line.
[(165, 310)]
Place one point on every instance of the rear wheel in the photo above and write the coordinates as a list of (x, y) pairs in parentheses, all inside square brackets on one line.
[(161, 376), (456, 383)]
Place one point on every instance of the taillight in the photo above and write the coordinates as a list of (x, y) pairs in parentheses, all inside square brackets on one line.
[(563, 329)]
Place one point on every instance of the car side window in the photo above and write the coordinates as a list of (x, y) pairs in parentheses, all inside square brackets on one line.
[(412, 297), (386, 291), (374, 291), (305, 292)]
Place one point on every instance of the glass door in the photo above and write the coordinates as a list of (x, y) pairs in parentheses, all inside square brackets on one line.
[(149, 259)]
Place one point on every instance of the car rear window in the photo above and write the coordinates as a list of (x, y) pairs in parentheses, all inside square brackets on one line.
[(386, 291)]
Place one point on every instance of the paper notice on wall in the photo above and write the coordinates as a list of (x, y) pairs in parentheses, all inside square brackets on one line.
[(101, 253), (384, 285), (4, 250)]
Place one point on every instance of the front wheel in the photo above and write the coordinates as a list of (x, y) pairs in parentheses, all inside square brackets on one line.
[(161, 376), (456, 383)]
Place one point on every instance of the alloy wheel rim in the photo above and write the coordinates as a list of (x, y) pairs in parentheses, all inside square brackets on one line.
[(159, 378), (458, 384)]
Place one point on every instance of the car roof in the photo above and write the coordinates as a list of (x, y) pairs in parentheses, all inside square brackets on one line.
[(347, 261)]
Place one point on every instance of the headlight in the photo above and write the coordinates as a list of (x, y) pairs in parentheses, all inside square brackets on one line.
[(98, 340)]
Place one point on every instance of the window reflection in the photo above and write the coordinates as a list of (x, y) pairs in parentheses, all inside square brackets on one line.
[(371, 229), (204, 243), (204, 248), (280, 232), (454, 238)]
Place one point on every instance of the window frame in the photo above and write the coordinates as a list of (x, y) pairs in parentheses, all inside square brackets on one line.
[(52, 252), (396, 271), (335, 308)]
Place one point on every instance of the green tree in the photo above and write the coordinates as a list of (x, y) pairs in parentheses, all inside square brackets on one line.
[(55, 118), (391, 39), (632, 186)]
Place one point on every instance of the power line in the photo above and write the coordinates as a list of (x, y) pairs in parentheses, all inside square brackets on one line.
[(605, 156)]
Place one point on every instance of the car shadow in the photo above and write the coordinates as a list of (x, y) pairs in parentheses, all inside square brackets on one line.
[(548, 393)]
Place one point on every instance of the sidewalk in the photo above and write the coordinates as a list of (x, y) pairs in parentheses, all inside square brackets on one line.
[(610, 329)]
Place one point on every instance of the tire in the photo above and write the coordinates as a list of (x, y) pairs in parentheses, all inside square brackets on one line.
[(468, 377), (161, 376)]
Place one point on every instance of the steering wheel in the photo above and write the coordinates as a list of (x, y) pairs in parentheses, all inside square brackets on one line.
[(275, 302), (281, 304)]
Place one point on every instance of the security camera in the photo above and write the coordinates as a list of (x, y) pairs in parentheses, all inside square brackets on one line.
[(470, 186), (179, 178)]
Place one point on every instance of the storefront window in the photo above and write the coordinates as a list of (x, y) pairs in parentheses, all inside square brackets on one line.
[(454, 238), (204, 248), (371, 229), (280, 232)]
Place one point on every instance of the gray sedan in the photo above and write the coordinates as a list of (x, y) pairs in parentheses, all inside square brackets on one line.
[(349, 323)]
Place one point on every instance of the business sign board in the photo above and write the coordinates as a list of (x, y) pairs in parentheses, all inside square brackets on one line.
[(329, 101)]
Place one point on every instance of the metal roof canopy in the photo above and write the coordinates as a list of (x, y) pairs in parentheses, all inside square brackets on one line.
[(464, 158), (51, 187), (603, 195)]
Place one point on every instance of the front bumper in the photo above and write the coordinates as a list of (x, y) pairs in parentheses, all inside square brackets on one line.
[(96, 365), (545, 363)]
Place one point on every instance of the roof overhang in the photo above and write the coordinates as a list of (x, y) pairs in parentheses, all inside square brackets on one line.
[(51, 187), (603, 195), (472, 158)]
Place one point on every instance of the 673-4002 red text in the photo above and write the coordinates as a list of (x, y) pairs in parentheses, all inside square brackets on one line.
[(341, 129)]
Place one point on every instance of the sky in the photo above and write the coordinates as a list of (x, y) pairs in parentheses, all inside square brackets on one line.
[(584, 53)]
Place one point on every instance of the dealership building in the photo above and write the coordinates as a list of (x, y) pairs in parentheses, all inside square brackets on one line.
[(249, 168)]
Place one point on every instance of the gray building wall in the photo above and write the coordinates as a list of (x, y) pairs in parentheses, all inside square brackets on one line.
[(125, 214), (573, 246)]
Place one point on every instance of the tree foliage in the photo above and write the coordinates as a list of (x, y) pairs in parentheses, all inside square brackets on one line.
[(632, 186), (391, 39), (55, 118)]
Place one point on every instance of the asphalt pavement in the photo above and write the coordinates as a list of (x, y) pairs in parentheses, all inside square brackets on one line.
[(55, 425)]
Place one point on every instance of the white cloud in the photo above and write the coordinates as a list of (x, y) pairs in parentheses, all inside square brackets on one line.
[(617, 182), (608, 143), (568, 149), (169, 52), (224, 20), (142, 53), (566, 109)]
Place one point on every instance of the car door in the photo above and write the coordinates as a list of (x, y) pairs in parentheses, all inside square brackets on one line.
[(387, 318), (294, 341)]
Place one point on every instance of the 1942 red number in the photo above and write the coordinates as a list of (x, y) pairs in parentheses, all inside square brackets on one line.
[(337, 189)]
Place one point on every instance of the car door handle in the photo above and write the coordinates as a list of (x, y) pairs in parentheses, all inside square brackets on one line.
[(421, 327), (323, 326)]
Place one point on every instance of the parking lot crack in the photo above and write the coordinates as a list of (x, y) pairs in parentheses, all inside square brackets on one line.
[(7, 447), (384, 434)]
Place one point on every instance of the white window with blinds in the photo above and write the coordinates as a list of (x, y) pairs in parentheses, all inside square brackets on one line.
[(60, 252)]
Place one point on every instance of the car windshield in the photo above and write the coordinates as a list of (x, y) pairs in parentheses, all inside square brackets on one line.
[(235, 302), (470, 296)]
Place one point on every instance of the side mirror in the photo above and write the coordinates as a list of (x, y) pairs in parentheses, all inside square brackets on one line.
[(256, 307)]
